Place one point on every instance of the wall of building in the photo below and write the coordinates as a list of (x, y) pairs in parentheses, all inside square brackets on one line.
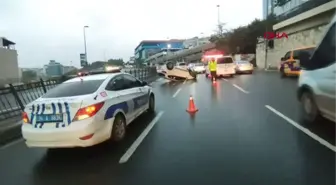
[(54, 69), (148, 49), (306, 29), (9, 70)]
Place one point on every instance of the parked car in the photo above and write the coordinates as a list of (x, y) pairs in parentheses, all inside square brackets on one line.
[(290, 64), (317, 85), (243, 66)]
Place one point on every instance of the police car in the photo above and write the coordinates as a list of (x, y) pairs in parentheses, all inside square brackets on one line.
[(86, 110)]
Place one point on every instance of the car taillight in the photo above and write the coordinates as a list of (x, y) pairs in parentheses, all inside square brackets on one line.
[(25, 118), (87, 112)]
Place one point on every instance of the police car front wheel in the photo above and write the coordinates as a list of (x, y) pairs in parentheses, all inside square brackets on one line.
[(119, 128)]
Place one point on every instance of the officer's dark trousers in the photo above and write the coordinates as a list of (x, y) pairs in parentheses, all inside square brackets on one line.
[(213, 74)]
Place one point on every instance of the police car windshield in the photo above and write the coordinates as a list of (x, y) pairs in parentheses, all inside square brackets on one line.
[(77, 88), (226, 60)]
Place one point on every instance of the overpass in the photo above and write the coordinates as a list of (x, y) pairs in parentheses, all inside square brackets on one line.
[(187, 55)]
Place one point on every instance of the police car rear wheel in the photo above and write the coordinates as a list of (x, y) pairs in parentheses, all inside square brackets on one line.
[(151, 107), (119, 128)]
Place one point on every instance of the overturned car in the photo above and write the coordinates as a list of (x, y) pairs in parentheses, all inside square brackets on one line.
[(178, 72)]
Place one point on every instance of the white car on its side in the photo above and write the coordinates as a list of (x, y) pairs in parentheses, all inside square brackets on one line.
[(85, 111)]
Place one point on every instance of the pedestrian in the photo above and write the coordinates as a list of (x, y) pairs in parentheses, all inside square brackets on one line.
[(213, 69)]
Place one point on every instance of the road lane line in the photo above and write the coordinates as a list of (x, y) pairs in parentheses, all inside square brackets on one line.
[(184, 81), (138, 141), (225, 79), (176, 93), (15, 142), (304, 130), (241, 89)]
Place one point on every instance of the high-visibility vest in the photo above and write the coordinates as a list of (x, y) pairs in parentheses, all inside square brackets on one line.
[(212, 65)]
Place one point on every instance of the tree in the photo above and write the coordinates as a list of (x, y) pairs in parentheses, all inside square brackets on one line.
[(28, 76), (116, 62), (243, 39)]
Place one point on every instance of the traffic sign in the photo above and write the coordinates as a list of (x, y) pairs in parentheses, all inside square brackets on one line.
[(83, 61)]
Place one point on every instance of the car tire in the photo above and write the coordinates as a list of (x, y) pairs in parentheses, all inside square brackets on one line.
[(170, 65), (308, 110), (192, 73), (151, 102), (119, 128)]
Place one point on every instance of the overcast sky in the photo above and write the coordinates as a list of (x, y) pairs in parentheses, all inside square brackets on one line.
[(53, 29)]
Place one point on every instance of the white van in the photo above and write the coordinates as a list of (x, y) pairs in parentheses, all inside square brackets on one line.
[(225, 67), (317, 81)]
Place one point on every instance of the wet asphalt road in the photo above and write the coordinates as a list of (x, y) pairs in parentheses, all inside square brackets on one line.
[(233, 139)]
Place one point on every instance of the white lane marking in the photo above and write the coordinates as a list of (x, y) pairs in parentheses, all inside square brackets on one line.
[(176, 93), (304, 130), (225, 79), (15, 142), (184, 81), (142, 136), (241, 89)]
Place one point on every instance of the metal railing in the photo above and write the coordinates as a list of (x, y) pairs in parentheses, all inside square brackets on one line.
[(301, 8), (14, 97)]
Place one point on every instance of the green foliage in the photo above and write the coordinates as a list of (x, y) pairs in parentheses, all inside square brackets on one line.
[(116, 62), (73, 72), (243, 39), (28, 76)]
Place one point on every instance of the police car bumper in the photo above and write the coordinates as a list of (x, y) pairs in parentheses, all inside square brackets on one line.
[(79, 134)]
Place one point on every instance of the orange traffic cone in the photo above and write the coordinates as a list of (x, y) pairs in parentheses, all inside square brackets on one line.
[(192, 108)]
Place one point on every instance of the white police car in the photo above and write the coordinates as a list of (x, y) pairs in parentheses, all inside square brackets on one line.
[(85, 111)]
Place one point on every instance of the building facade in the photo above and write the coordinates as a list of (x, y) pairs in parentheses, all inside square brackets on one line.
[(54, 69), (290, 7), (305, 26), (148, 48), (9, 70)]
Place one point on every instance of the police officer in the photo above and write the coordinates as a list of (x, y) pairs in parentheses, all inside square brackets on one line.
[(213, 68)]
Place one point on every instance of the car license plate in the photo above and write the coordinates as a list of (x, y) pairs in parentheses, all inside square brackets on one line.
[(49, 118)]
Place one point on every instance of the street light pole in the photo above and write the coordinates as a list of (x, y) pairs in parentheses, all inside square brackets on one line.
[(218, 14), (85, 43)]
